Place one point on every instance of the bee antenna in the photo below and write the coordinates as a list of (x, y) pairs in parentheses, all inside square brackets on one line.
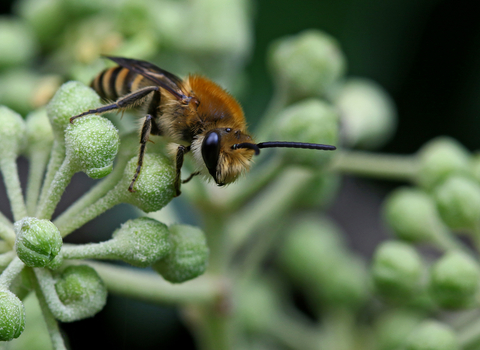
[(247, 145), (273, 144)]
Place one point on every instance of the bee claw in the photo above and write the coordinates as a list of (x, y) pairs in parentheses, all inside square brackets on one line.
[(131, 190)]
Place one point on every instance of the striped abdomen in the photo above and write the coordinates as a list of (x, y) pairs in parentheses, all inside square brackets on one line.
[(116, 82)]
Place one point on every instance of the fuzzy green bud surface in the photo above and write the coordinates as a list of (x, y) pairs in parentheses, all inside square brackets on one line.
[(17, 43), (39, 131), (432, 335), (71, 99), (412, 215), (308, 63), (458, 202), (189, 256), (80, 288), (311, 121), (17, 89), (12, 316), (37, 241), (143, 241), (454, 280), (92, 144), (12, 132), (154, 187), (440, 158), (368, 113), (397, 270)]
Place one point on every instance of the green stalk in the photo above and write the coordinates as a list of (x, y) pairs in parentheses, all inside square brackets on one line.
[(11, 272), (382, 166), (8, 166), (38, 162), (52, 324), (7, 233)]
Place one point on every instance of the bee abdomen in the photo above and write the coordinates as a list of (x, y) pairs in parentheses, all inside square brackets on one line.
[(113, 83)]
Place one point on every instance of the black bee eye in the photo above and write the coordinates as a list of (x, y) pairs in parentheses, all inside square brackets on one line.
[(211, 151)]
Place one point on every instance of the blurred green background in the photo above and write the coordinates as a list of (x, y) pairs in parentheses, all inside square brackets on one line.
[(425, 53)]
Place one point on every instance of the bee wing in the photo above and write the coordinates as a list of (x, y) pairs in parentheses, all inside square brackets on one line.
[(160, 77)]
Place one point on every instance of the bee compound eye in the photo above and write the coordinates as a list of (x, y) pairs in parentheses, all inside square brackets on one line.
[(211, 152)]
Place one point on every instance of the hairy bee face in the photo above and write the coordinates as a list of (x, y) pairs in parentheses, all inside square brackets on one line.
[(223, 162)]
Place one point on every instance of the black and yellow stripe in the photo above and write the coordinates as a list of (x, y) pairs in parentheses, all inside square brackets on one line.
[(115, 82)]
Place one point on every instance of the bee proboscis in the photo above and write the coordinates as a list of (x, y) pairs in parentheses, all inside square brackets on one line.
[(195, 114)]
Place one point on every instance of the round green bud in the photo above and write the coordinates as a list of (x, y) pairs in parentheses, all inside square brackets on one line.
[(412, 215), (458, 202), (12, 133), (45, 17), (308, 63), (39, 131), (80, 288), (454, 280), (92, 144), (17, 89), (189, 255), (368, 113), (312, 121), (397, 270), (440, 158), (71, 99), (12, 316), (393, 327), (154, 187), (320, 192), (311, 247), (141, 242), (38, 241), (17, 44), (432, 335), (258, 305), (82, 8)]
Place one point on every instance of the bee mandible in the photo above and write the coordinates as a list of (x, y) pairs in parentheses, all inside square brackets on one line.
[(195, 114)]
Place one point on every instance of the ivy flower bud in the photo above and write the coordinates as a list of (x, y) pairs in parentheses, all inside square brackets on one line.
[(454, 280), (397, 270), (12, 133), (439, 159), (308, 63), (72, 98), (412, 215), (154, 187), (368, 113), (393, 327), (142, 241), (39, 131), (92, 144), (12, 316), (17, 45), (38, 241), (189, 256), (312, 121), (458, 201), (17, 89), (80, 288), (432, 335)]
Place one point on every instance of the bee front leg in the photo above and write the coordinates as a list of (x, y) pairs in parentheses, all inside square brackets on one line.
[(146, 129), (181, 151)]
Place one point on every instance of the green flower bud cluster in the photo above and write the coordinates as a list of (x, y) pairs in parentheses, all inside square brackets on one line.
[(12, 316), (432, 335), (316, 258)]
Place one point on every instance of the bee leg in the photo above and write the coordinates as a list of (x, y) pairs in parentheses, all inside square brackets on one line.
[(190, 177), (146, 128), (129, 100), (181, 151)]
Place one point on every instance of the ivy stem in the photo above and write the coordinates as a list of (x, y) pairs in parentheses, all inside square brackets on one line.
[(102, 250), (392, 167), (52, 324), (56, 160), (469, 336), (11, 272), (8, 166), (38, 162), (4, 220), (7, 233), (6, 258), (150, 287)]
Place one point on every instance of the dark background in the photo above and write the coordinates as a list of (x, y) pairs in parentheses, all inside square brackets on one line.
[(425, 53)]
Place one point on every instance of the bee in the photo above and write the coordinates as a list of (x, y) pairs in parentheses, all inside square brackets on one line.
[(195, 114)]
